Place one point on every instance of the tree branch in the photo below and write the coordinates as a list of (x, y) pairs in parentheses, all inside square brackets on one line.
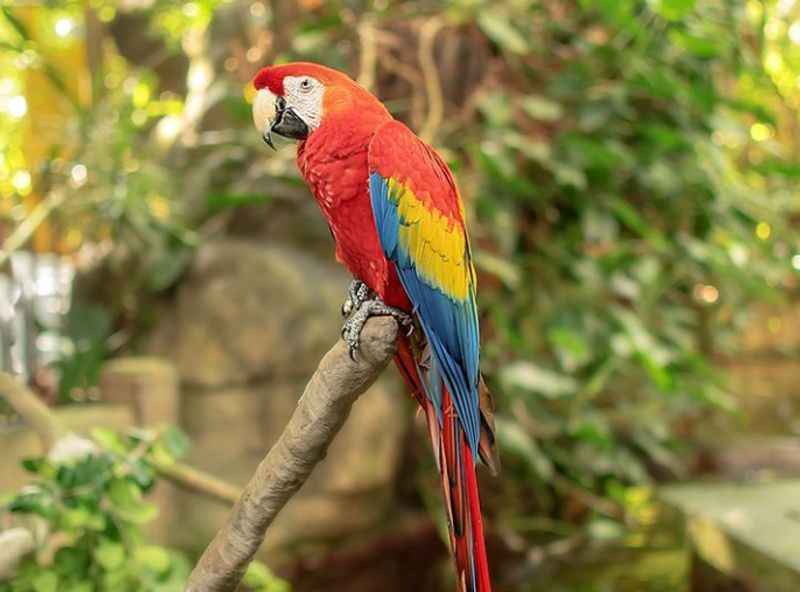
[(32, 410), (433, 86), (196, 481), (320, 413)]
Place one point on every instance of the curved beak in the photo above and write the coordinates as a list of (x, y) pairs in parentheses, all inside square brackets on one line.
[(287, 124)]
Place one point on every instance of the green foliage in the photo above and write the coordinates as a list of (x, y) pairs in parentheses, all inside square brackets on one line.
[(94, 508), (628, 229)]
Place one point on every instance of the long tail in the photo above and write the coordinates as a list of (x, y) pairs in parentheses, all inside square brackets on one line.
[(457, 471)]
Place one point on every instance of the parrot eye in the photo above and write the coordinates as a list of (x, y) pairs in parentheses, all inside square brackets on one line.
[(305, 84), (280, 104)]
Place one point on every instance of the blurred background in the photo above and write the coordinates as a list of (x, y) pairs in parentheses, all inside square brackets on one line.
[(630, 173)]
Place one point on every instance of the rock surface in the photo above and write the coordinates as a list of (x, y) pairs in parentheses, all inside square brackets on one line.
[(249, 326), (748, 533), (248, 311)]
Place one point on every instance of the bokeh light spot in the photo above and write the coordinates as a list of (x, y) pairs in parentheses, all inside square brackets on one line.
[(17, 106), (21, 181), (64, 26), (706, 293), (760, 132), (78, 175), (763, 230), (794, 32)]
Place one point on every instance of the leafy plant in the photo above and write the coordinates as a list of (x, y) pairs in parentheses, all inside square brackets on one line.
[(93, 508), (629, 231)]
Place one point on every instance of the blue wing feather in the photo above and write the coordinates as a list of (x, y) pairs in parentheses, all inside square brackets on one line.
[(450, 324)]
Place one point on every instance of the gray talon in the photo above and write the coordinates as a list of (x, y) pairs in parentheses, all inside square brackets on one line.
[(357, 293), (351, 330)]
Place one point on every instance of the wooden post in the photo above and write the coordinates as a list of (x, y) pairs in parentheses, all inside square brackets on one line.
[(148, 384)]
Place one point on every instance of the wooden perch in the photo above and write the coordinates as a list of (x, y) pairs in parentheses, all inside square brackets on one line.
[(320, 413)]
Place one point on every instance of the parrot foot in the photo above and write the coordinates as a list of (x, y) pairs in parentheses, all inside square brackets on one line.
[(357, 293), (372, 307)]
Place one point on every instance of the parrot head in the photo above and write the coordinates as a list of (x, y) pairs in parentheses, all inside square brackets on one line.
[(294, 100)]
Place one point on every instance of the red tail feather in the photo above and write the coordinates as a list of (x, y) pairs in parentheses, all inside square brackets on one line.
[(479, 544), (459, 481)]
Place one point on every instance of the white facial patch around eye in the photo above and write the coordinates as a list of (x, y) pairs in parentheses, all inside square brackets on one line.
[(304, 95), (263, 109)]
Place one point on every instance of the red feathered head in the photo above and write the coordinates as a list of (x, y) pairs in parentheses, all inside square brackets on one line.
[(272, 77), (295, 99)]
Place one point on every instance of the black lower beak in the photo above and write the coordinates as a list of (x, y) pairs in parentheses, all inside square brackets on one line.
[(268, 138), (287, 124)]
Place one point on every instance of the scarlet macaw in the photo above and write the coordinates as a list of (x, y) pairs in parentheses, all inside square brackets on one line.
[(396, 216)]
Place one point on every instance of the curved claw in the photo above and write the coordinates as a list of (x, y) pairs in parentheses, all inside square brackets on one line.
[(357, 293), (347, 307), (365, 308)]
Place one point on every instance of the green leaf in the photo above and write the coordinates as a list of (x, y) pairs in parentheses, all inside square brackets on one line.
[(790, 170), (570, 176), (32, 500), (257, 575), (142, 471), (694, 44), (72, 562), (109, 440), (153, 558), (592, 428), (46, 581), (217, 202), (141, 513), (657, 372), (176, 441), (530, 377), (126, 498), (34, 465), (260, 578), (512, 438), (535, 150), (167, 266), (673, 10), (542, 108), (109, 555), (74, 518), (614, 11), (499, 29), (79, 587), (500, 267), (571, 346)]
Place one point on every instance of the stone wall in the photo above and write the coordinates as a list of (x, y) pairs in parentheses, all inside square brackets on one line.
[(246, 331), (764, 376)]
